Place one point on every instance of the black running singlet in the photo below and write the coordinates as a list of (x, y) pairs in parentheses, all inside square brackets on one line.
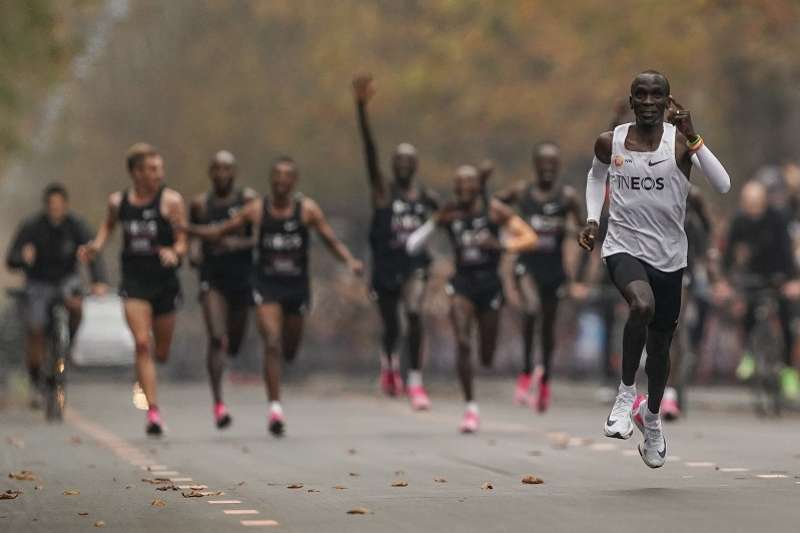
[(283, 245), (390, 228), (466, 233), (145, 231), (548, 218), (217, 262)]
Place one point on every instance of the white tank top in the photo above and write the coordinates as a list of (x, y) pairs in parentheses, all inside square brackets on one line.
[(647, 203)]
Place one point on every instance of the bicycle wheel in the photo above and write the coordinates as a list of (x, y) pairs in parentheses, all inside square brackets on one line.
[(57, 364)]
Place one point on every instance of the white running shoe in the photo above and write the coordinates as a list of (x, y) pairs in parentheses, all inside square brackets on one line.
[(618, 424), (654, 448)]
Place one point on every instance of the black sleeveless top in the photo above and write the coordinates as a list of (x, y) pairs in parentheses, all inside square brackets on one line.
[(548, 218), (283, 245), (145, 231), (466, 232), (390, 228), (217, 262)]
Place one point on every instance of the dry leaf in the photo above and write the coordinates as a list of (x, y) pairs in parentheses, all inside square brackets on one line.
[(312, 490), (158, 503), (83, 513), (354, 474), (339, 487), (400, 484), (22, 475), (167, 487), (201, 493), (128, 486), (10, 494), (241, 483), (16, 442), (100, 523), (71, 492), (487, 486), (532, 480), (358, 510), (75, 439), (157, 481), (295, 486), (439, 480)]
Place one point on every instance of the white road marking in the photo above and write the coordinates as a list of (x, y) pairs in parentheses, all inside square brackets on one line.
[(240, 511), (699, 464), (224, 502), (179, 479), (603, 447), (772, 476), (735, 469), (257, 523), (164, 473)]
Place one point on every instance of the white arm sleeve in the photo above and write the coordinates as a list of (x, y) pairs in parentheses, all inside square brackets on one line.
[(709, 165), (417, 240), (596, 189)]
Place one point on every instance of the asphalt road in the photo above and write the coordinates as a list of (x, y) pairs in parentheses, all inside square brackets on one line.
[(346, 448)]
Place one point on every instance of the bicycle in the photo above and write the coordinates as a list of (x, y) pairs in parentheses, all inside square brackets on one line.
[(54, 365), (766, 344)]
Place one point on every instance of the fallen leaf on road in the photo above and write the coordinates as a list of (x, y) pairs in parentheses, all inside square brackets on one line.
[(312, 490), (339, 487), (354, 474), (22, 475), (439, 480), (71, 492), (83, 513), (400, 484), (128, 486), (241, 483), (75, 439), (532, 480), (16, 442), (295, 486), (99, 523), (157, 481), (487, 486), (167, 487), (158, 503), (358, 510), (201, 493), (10, 494)]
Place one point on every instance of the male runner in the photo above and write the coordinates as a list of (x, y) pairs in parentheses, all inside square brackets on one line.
[(476, 292), (546, 206), (648, 164), (225, 268), (282, 288), (45, 249), (398, 280), (151, 216)]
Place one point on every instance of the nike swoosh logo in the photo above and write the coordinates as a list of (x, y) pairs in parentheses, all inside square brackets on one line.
[(651, 164), (610, 422), (664, 453)]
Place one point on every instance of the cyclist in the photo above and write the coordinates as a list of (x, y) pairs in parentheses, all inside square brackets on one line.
[(45, 248), (759, 246)]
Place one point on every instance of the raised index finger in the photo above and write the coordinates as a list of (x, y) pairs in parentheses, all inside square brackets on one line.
[(675, 103)]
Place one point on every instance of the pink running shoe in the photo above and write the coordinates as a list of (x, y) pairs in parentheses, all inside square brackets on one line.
[(635, 414), (155, 426), (221, 416), (522, 391), (470, 422), (419, 398), (399, 386), (543, 396), (387, 382), (669, 409), (277, 425)]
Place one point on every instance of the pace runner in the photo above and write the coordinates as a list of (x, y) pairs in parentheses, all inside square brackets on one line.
[(45, 248), (476, 292), (282, 288), (226, 269), (398, 279), (648, 164), (152, 217), (546, 205)]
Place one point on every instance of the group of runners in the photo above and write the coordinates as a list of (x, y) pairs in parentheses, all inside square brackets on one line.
[(252, 251)]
